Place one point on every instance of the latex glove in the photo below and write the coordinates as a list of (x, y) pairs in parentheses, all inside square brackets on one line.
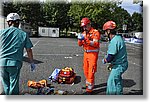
[(80, 37), (32, 66), (106, 56), (103, 61)]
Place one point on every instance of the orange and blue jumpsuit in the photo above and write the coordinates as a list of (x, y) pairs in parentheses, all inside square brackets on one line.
[(91, 47)]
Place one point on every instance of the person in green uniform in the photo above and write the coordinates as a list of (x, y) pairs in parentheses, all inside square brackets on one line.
[(117, 57), (12, 43)]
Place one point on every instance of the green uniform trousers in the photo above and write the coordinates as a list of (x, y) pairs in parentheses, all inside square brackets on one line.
[(10, 79), (114, 82)]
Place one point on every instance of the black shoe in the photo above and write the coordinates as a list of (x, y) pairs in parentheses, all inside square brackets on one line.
[(87, 93), (84, 87)]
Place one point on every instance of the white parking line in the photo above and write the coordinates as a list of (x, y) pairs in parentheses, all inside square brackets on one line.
[(133, 46), (66, 55), (54, 54), (102, 52), (36, 43), (134, 63), (32, 47)]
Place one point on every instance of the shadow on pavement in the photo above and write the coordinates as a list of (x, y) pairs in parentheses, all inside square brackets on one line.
[(101, 88), (135, 92), (77, 80), (100, 85), (128, 83), (98, 89), (26, 59)]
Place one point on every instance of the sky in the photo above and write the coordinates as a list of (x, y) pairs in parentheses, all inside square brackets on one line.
[(130, 7)]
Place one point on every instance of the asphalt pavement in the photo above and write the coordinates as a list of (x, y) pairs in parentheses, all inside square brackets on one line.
[(51, 53)]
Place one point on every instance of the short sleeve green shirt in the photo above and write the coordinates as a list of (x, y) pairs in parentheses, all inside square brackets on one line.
[(117, 48), (12, 44)]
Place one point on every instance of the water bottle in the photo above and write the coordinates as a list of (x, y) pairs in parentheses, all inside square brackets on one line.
[(109, 67)]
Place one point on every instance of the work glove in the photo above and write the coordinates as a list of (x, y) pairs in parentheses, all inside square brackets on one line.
[(80, 37), (32, 67), (103, 61)]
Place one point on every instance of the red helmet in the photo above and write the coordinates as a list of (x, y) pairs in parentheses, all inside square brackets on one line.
[(85, 21), (109, 25)]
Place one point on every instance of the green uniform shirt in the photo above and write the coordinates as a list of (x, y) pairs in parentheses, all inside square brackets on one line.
[(117, 47), (12, 44)]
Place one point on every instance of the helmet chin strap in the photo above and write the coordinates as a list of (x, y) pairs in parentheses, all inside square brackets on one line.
[(108, 33), (109, 37), (86, 31)]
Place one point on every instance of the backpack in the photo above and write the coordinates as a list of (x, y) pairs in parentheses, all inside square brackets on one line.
[(66, 75)]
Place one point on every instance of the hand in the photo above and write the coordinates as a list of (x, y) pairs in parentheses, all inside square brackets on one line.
[(106, 56), (103, 61), (32, 66), (87, 41), (80, 37)]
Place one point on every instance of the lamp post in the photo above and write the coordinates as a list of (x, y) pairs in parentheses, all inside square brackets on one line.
[(124, 28)]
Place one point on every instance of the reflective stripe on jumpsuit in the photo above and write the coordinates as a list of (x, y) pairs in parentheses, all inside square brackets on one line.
[(91, 51)]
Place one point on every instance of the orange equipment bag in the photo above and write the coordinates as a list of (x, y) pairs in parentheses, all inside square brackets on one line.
[(66, 75), (37, 85)]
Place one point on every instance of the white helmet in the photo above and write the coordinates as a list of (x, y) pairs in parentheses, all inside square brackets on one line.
[(13, 17)]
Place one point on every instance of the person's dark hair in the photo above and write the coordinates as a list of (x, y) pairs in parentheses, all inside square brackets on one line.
[(113, 31), (14, 23)]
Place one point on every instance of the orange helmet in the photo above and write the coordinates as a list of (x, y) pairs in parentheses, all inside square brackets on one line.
[(109, 25), (85, 21)]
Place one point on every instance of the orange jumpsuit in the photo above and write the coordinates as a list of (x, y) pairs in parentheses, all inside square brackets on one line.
[(91, 47)]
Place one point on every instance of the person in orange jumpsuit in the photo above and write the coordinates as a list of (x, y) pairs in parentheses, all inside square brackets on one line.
[(89, 40)]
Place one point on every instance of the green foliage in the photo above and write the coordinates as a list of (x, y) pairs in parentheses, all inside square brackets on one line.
[(55, 14), (68, 15), (29, 11), (99, 13), (137, 22)]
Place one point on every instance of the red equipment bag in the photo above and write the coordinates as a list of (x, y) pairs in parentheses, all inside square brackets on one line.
[(66, 75)]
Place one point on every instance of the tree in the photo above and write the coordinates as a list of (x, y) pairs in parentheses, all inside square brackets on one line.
[(98, 13), (54, 15), (137, 19), (7, 8), (30, 12), (67, 15), (122, 17)]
